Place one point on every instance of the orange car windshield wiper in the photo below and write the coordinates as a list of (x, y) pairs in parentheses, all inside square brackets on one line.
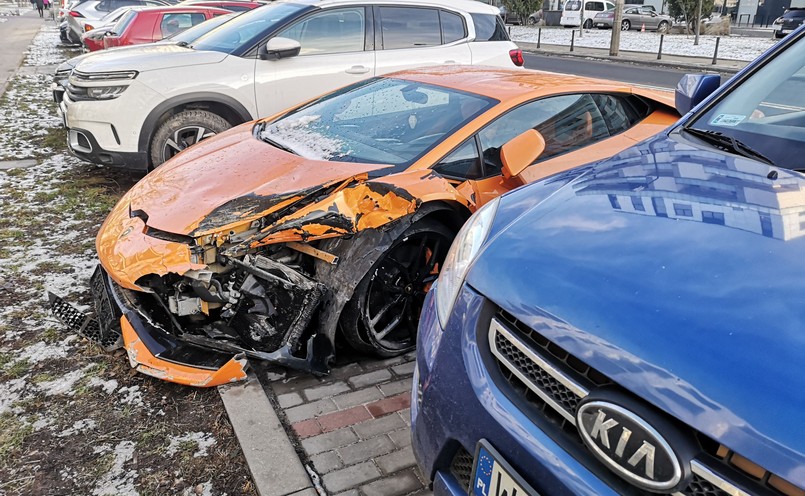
[(276, 144)]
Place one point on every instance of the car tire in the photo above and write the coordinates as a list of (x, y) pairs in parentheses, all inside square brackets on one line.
[(588, 24), (626, 25), (71, 37), (662, 27), (382, 316), (531, 21), (183, 130)]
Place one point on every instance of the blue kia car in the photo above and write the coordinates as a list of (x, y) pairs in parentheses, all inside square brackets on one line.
[(635, 326)]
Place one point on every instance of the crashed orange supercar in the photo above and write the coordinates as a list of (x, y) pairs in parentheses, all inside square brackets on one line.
[(271, 239)]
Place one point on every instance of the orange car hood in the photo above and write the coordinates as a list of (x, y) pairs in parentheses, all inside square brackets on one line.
[(231, 177)]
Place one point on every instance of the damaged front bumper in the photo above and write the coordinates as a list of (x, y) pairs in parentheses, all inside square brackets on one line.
[(167, 353)]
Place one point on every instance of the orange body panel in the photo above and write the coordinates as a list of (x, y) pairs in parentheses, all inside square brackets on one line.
[(142, 360)]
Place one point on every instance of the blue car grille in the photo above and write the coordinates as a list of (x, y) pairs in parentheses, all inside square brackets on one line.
[(553, 382), (461, 467)]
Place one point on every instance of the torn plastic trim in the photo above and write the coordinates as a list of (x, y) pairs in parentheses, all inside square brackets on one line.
[(142, 360)]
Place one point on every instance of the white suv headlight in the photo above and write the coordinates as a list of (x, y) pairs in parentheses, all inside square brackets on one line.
[(105, 92), (463, 251)]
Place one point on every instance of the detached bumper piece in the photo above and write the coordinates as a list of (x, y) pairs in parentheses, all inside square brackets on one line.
[(151, 350)]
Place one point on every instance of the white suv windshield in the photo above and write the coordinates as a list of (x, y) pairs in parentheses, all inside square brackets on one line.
[(380, 121), (248, 28), (765, 115)]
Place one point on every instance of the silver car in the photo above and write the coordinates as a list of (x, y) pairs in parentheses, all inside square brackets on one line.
[(635, 17)]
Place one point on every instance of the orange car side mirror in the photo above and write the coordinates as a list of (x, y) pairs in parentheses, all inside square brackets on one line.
[(520, 152)]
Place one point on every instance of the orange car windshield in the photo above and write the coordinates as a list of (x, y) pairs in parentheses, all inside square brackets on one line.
[(380, 121)]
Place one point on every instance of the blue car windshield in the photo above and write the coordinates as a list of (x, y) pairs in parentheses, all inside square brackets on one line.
[(379, 121), (764, 116), (248, 28)]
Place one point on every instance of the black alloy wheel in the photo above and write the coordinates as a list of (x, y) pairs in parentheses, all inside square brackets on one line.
[(383, 315), (626, 25)]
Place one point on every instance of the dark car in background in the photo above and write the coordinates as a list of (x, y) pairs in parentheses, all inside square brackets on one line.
[(634, 326), (788, 22)]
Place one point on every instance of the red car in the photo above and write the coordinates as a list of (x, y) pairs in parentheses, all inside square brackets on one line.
[(155, 23)]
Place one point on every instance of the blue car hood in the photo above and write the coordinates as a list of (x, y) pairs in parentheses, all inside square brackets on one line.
[(679, 272)]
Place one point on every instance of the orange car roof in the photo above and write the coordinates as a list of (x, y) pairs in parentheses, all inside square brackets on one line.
[(519, 84)]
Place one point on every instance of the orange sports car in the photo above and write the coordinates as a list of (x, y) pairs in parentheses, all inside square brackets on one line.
[(329, 221)]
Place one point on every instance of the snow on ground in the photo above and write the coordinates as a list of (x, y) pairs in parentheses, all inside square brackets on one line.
[(118, 481), (64, 384), (43, 50), (80, 426), (108, 387), (730, 47), (41, 351), (202, 439)]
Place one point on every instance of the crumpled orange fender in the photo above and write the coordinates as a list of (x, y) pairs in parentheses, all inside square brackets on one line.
[(366, 205), (128, 254)]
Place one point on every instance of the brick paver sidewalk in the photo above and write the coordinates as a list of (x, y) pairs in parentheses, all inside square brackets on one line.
[(354, 425)]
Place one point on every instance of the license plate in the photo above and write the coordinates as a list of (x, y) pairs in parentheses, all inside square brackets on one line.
[(493, 476)]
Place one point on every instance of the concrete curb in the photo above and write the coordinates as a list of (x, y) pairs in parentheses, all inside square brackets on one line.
[(629, 58), (275, 467)]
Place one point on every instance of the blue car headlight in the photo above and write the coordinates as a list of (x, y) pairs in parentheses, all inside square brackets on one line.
[(465, 248)]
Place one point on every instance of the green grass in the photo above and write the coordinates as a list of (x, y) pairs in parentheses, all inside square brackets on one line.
[(43, 377), (54, 139), (15, 172), (17, 369), (12, 434)]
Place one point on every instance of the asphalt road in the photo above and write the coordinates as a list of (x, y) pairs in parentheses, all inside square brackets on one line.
[(16, 33), (628, 73)]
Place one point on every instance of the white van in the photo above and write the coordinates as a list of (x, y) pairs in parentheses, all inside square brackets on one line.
[(571, 14)]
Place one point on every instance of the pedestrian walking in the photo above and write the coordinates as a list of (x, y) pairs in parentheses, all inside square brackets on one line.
[(46, 4), (40, 5)]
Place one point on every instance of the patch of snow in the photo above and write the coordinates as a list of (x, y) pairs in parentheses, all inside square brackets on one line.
[(118, 481), (43, 50), (203, 440), (107, 386), (101, 449), (64, 384), (41, 351), (131, 396), (298, 134), (730, 47), (78, 427), (42, 423), (12, 335), (68, 474), (11, 392)]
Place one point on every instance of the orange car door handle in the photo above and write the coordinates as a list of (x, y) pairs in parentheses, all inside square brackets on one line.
[(357, 69)]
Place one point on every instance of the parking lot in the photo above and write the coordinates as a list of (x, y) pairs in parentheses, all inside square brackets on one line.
[(77, 420)]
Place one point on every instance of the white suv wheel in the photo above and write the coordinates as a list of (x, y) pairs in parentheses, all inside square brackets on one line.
[(182, 130)]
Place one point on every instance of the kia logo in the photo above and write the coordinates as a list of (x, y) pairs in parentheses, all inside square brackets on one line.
[(628, 445)]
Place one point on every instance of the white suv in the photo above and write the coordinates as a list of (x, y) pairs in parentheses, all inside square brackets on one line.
[(137, 108)]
